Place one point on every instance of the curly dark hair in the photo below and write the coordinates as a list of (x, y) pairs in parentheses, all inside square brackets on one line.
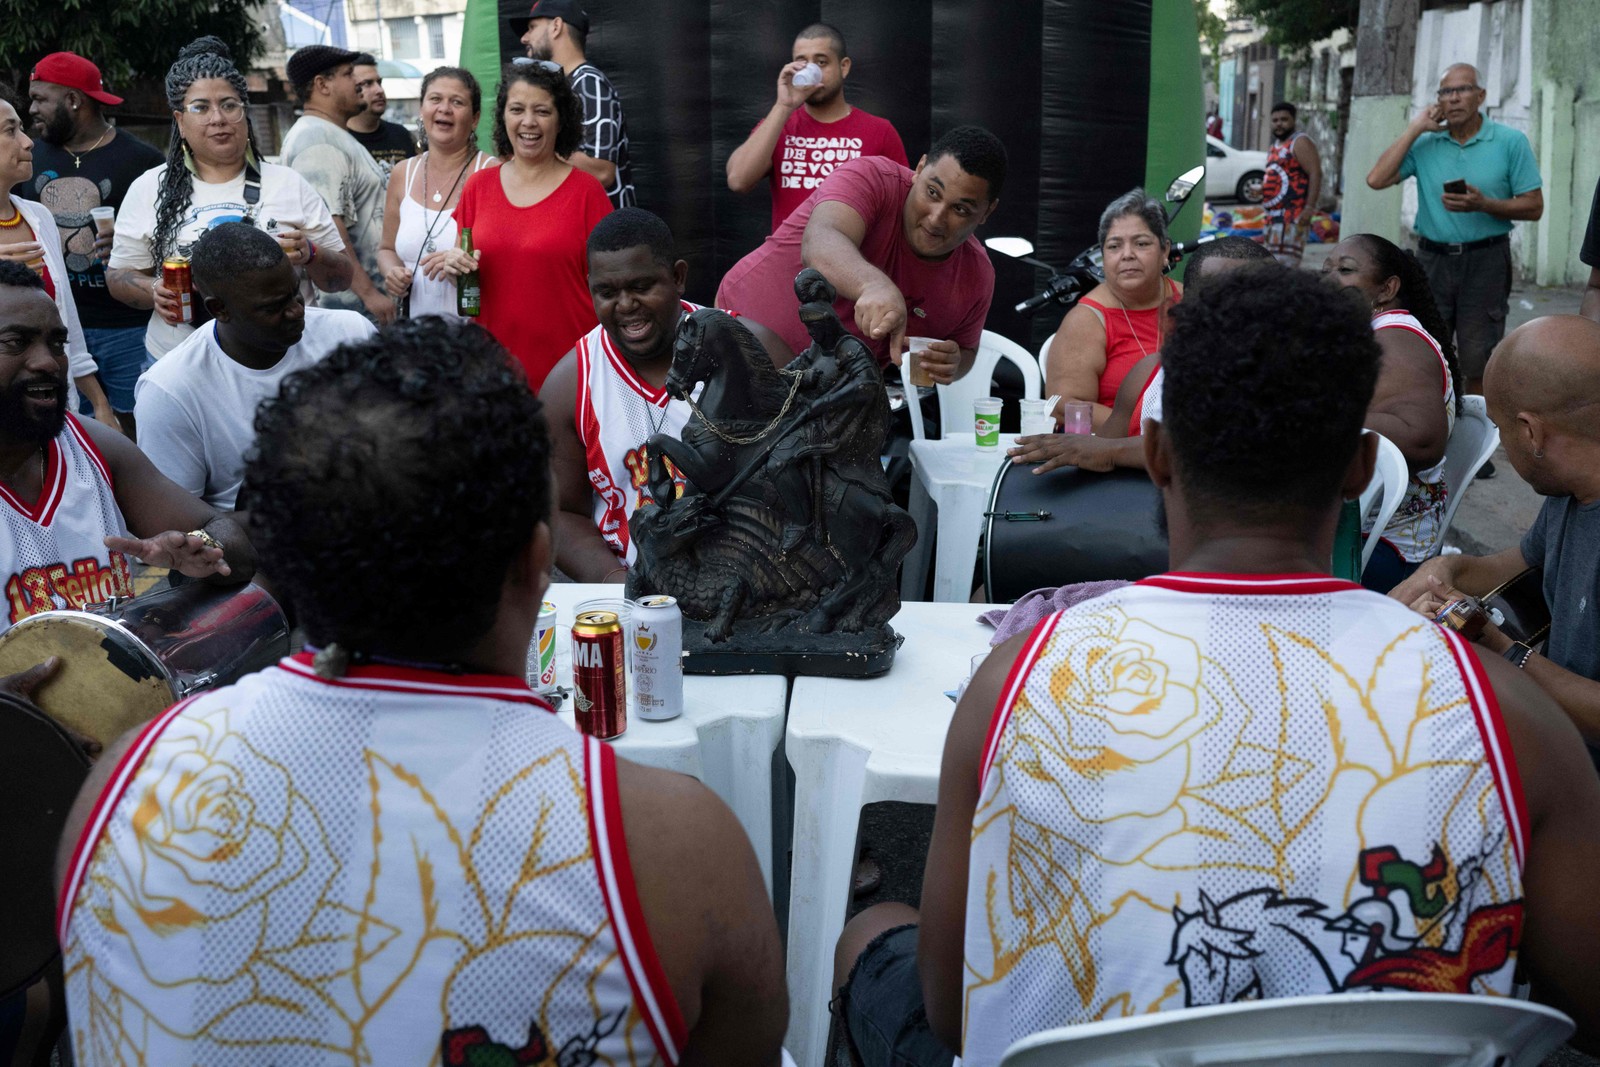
[(978, 152), (629, 227), (19, 276), (1267, 385), (1414, 296), (542, 74), (392, 483), (204, 57)]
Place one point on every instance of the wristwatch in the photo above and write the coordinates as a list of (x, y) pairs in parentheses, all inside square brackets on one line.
[(1517, 655)]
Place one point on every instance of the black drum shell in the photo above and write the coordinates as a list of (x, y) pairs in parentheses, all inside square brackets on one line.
[(1101, 526)]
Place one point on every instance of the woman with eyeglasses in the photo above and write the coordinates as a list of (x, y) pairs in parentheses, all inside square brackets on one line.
[(419, 226), (530, 219), (213, 174), (1124, 318)]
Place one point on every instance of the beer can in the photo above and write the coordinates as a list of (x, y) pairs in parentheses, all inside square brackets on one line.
[(175, 277), (541, 667), (657, 658), (599, 674)]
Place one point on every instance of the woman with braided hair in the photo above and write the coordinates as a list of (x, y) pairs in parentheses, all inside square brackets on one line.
[(1416, 399), (213, 174)]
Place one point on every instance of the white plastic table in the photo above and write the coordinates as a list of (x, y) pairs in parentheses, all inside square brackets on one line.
[(953, 475), (854, 742), (726, 736)]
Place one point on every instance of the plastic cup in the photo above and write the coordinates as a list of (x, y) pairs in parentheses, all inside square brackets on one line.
[(915, 374), (986, 421), (104, 219), (977, 661), (1036, 418), (810, 74), (1077, 416)]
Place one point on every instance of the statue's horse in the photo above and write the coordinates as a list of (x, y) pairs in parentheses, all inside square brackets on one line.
[(784, 515)]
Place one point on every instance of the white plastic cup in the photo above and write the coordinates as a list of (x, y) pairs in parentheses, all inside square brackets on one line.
[(810, 74), (1036, 418), (986, 421), (1077, 416), (105, 219)]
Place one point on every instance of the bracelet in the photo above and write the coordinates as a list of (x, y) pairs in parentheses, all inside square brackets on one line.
[(311, 251), (205, 538), (1517, 655)]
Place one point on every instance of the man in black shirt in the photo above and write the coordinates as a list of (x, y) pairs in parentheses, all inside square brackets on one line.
[(81, 162), (389, 142)]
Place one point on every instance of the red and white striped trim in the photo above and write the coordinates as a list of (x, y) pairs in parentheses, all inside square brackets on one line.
[(104, 805), (388, 679), (50, 493), (95, 455), (651, 993), (1496, 743), (1249, 584), (1021, 667), (1404, 320), (625, 370)]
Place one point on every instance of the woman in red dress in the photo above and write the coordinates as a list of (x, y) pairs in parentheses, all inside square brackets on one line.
[(530, 219)]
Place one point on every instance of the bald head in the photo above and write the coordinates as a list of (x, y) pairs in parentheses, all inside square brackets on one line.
[(1550, 367)]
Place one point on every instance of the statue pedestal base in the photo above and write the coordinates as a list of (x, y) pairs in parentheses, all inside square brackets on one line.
[(863, 655)]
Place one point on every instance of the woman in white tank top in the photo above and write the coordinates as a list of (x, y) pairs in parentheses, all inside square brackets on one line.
[(418, 221)]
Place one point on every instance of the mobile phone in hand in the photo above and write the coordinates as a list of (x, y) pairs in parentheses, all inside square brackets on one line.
[(1456, 187)]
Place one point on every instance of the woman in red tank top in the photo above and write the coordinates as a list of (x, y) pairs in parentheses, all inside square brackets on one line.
[(1123, 319)]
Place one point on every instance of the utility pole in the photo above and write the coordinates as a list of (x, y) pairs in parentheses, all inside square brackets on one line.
[(1380, 107)]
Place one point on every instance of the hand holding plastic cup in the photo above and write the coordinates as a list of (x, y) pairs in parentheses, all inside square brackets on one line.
[(105, 219), (1036, 418), (1077, 416), (986, 421), (916, 374), (810, 74)]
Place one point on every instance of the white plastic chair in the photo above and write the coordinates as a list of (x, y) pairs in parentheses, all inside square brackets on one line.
[(1472, 442), (1390, 476), (1334, 1030), (955, 399), (1044, 350)]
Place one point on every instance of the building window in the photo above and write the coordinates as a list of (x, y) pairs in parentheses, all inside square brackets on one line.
[(435, 36), (403, 41)]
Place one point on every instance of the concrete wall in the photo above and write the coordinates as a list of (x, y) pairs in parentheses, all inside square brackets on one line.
[(1566, 40)]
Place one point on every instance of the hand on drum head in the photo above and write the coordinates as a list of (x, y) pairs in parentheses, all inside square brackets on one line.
[(1052, 450), (24, 684), (177, 551)]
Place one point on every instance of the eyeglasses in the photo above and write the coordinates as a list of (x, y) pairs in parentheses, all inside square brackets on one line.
[(232, 110), (1456, 90), (541, 64)]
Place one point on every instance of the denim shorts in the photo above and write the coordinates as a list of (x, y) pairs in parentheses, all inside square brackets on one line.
[(881, 1009), (120, 357)]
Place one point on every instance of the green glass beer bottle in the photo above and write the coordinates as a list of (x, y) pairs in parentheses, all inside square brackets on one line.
[(467, 291)]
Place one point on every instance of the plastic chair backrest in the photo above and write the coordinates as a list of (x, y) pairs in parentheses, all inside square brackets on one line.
[(1333, 1030), (1390, 476), (1472, 442), (955, 399), (1044, 350)]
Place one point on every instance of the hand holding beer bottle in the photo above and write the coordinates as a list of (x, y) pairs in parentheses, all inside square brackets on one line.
[(468, 293)]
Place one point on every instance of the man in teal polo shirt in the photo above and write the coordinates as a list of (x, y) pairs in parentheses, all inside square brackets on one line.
[(1463, 236)]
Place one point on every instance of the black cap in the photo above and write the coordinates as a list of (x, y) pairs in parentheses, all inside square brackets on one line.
[(568, 11), (314, 59)]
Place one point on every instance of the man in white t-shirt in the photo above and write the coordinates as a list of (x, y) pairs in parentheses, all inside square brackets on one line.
[(321, 150), (197, 406)]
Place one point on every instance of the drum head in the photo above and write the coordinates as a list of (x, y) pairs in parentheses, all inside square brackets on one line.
[(108, 682), (41, 769)]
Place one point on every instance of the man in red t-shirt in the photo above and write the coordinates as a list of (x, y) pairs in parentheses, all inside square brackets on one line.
[(898, 247), (811, 129)]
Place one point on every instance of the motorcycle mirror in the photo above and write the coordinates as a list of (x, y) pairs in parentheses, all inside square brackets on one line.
[(1184, 184), (1015, 247)]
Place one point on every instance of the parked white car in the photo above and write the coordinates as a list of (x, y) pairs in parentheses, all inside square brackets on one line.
[(1233, 171)]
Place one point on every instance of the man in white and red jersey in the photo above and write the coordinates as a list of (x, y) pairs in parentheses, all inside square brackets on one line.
[(71, 491), (607, 396), (1242, 779), (811, 129), (387, 848)]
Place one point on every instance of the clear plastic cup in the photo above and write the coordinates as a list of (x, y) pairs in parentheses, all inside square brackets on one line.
[(986, 421), (105, 219), (1036, 418), (915, 374), (1077, 416)]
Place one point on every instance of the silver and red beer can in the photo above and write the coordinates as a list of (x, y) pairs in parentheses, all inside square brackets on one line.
[(541, 666), (599, 674), (177, 278), (657, 658)]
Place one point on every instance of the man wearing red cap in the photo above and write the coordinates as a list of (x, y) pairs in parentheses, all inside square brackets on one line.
[(556, 31), (82, 162)]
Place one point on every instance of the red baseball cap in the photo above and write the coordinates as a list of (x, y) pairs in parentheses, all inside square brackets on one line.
[(74, 72)]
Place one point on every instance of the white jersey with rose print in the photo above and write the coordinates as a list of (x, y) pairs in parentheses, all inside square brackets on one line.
[(435, 874), (1208, 788)]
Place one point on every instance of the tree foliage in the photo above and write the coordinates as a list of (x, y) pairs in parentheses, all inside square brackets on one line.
[(1212, 32), (126, 39), (1296, 25)]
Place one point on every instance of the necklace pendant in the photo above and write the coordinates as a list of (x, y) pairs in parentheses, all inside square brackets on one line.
[(77, 161), (437, 197)]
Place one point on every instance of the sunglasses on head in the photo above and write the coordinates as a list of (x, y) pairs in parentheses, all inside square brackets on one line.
[(540, 64)]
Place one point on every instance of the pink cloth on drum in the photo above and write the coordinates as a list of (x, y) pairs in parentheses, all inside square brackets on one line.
[(1025, 614)]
